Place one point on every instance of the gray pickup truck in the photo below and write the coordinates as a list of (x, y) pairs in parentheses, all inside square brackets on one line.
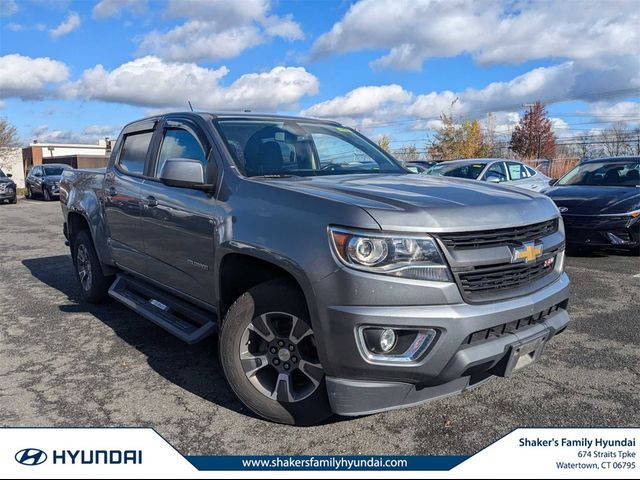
[(336, 281)]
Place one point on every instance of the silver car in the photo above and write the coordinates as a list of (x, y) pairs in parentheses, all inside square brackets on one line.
[(495, 170)]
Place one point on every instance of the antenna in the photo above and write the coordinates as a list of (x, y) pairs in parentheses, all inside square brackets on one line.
[(190, 106)]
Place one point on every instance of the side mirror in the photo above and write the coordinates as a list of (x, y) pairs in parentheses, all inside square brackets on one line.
[(38, 174), (553, 181), (412, 169), (184, 173), (493, 179), (9, 175)]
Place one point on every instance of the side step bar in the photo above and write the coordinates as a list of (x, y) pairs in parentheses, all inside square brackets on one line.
[(187, 322)]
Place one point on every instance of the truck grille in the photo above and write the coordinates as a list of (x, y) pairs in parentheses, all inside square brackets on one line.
[(481, 281), (500, 237)]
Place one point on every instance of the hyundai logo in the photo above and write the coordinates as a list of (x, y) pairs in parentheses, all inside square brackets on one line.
[(31, 456), (563, 209)]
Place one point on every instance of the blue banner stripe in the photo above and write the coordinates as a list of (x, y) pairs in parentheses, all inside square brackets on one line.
[(325, 462)]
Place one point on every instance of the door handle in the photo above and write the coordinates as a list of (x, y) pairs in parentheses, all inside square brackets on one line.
[(112, 192), (151, 201)]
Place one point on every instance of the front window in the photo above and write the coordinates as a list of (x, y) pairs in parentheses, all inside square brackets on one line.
[(54, 171), (288, 147), (458, 170), (604, 174)]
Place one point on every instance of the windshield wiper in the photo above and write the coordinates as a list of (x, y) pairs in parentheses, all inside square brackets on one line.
[(276, 175)]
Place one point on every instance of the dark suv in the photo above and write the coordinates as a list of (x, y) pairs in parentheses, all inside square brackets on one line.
[(44, 180), (7, 188)]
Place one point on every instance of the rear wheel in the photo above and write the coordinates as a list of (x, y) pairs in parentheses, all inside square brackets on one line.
[(93, 282), (269, 357)]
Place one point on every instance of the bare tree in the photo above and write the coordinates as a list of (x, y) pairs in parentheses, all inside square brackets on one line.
[(407, 153), (616, 140), (384, 142), (8, 134)]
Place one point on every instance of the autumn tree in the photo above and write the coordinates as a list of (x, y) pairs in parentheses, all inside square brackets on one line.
[(407, 153), (533, 137), (384, 142), (459, 141)]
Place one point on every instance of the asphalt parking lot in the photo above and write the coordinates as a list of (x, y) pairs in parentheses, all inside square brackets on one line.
[(67, 363)]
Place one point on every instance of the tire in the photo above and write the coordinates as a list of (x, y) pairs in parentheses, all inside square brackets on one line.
[(46, 194), (14, 200), (93, 283), (278, 302), (29, 193)]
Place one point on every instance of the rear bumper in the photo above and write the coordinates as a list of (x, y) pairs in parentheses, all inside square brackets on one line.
[(473, 344)]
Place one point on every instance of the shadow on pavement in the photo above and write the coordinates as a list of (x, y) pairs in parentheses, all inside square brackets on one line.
[(192, 367)]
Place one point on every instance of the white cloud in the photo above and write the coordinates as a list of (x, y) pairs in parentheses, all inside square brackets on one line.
[(15, 27), (492, 32), (29, 78), (573, 80), (67, 26), (628, 112), (111, 8), (152, 82), (88, 135), (8, 8), (217, 30)]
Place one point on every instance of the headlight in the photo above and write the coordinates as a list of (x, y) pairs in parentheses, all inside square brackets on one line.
[(408, 256)]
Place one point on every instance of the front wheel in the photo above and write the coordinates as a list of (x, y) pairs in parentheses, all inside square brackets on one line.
[(29, 193), (93, 282), (268, 354), (46, 194)]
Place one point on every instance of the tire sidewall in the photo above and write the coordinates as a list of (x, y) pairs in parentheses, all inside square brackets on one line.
[(99, 283), (267, 297)]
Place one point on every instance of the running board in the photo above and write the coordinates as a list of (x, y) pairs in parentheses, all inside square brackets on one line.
[(187, 322)]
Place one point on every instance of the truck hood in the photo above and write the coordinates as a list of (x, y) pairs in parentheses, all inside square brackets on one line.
[(424, 203), (594, 200), (6, 180)]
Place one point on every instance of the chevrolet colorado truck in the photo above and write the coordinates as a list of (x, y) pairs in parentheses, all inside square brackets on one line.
[(336, 281)]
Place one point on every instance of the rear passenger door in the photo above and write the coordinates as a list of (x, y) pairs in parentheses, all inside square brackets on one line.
[(178, 223), (122, 201)]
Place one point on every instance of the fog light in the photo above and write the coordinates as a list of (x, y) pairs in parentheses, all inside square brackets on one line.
[(387, 340)]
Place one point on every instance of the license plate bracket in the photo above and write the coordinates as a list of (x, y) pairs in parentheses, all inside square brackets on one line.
[(523, 354)]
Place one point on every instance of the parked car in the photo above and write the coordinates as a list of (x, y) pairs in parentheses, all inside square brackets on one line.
[(337, 281), (43, 180), (7, 188), (419, 166), (600, 203), (493, 170)]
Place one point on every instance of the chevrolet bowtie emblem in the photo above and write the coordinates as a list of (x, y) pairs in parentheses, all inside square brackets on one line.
[(528, 252)]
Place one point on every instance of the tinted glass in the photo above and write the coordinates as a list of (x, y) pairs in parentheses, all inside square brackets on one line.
[(531, 171), (2, 173), (274, 147), (458, 170), (517, 171), (619, 174), (497, 170), (178, 143), (54, 170), (134, 152)]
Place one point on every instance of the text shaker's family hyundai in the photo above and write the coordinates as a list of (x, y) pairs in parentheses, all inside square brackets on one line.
[(337, 281)]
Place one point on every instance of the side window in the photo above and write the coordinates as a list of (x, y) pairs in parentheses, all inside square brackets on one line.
[(497, 170), (179, 143), (333, 150), (531, 171), (517, 171), (134, 152)]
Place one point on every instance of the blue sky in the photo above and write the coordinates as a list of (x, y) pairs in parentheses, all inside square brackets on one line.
[(78, 70)]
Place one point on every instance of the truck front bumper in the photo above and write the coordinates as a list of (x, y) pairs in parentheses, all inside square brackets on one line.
[(474, 343)]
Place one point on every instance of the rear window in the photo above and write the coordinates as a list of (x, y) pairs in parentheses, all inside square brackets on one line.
[(134, 152)]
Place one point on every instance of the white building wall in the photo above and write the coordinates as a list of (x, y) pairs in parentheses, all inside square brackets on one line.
[(11, 162)]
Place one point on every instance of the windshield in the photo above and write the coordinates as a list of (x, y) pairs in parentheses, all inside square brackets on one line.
[(618, 174), (2, 174), (459, 170), (287, 147), (54, 170)]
